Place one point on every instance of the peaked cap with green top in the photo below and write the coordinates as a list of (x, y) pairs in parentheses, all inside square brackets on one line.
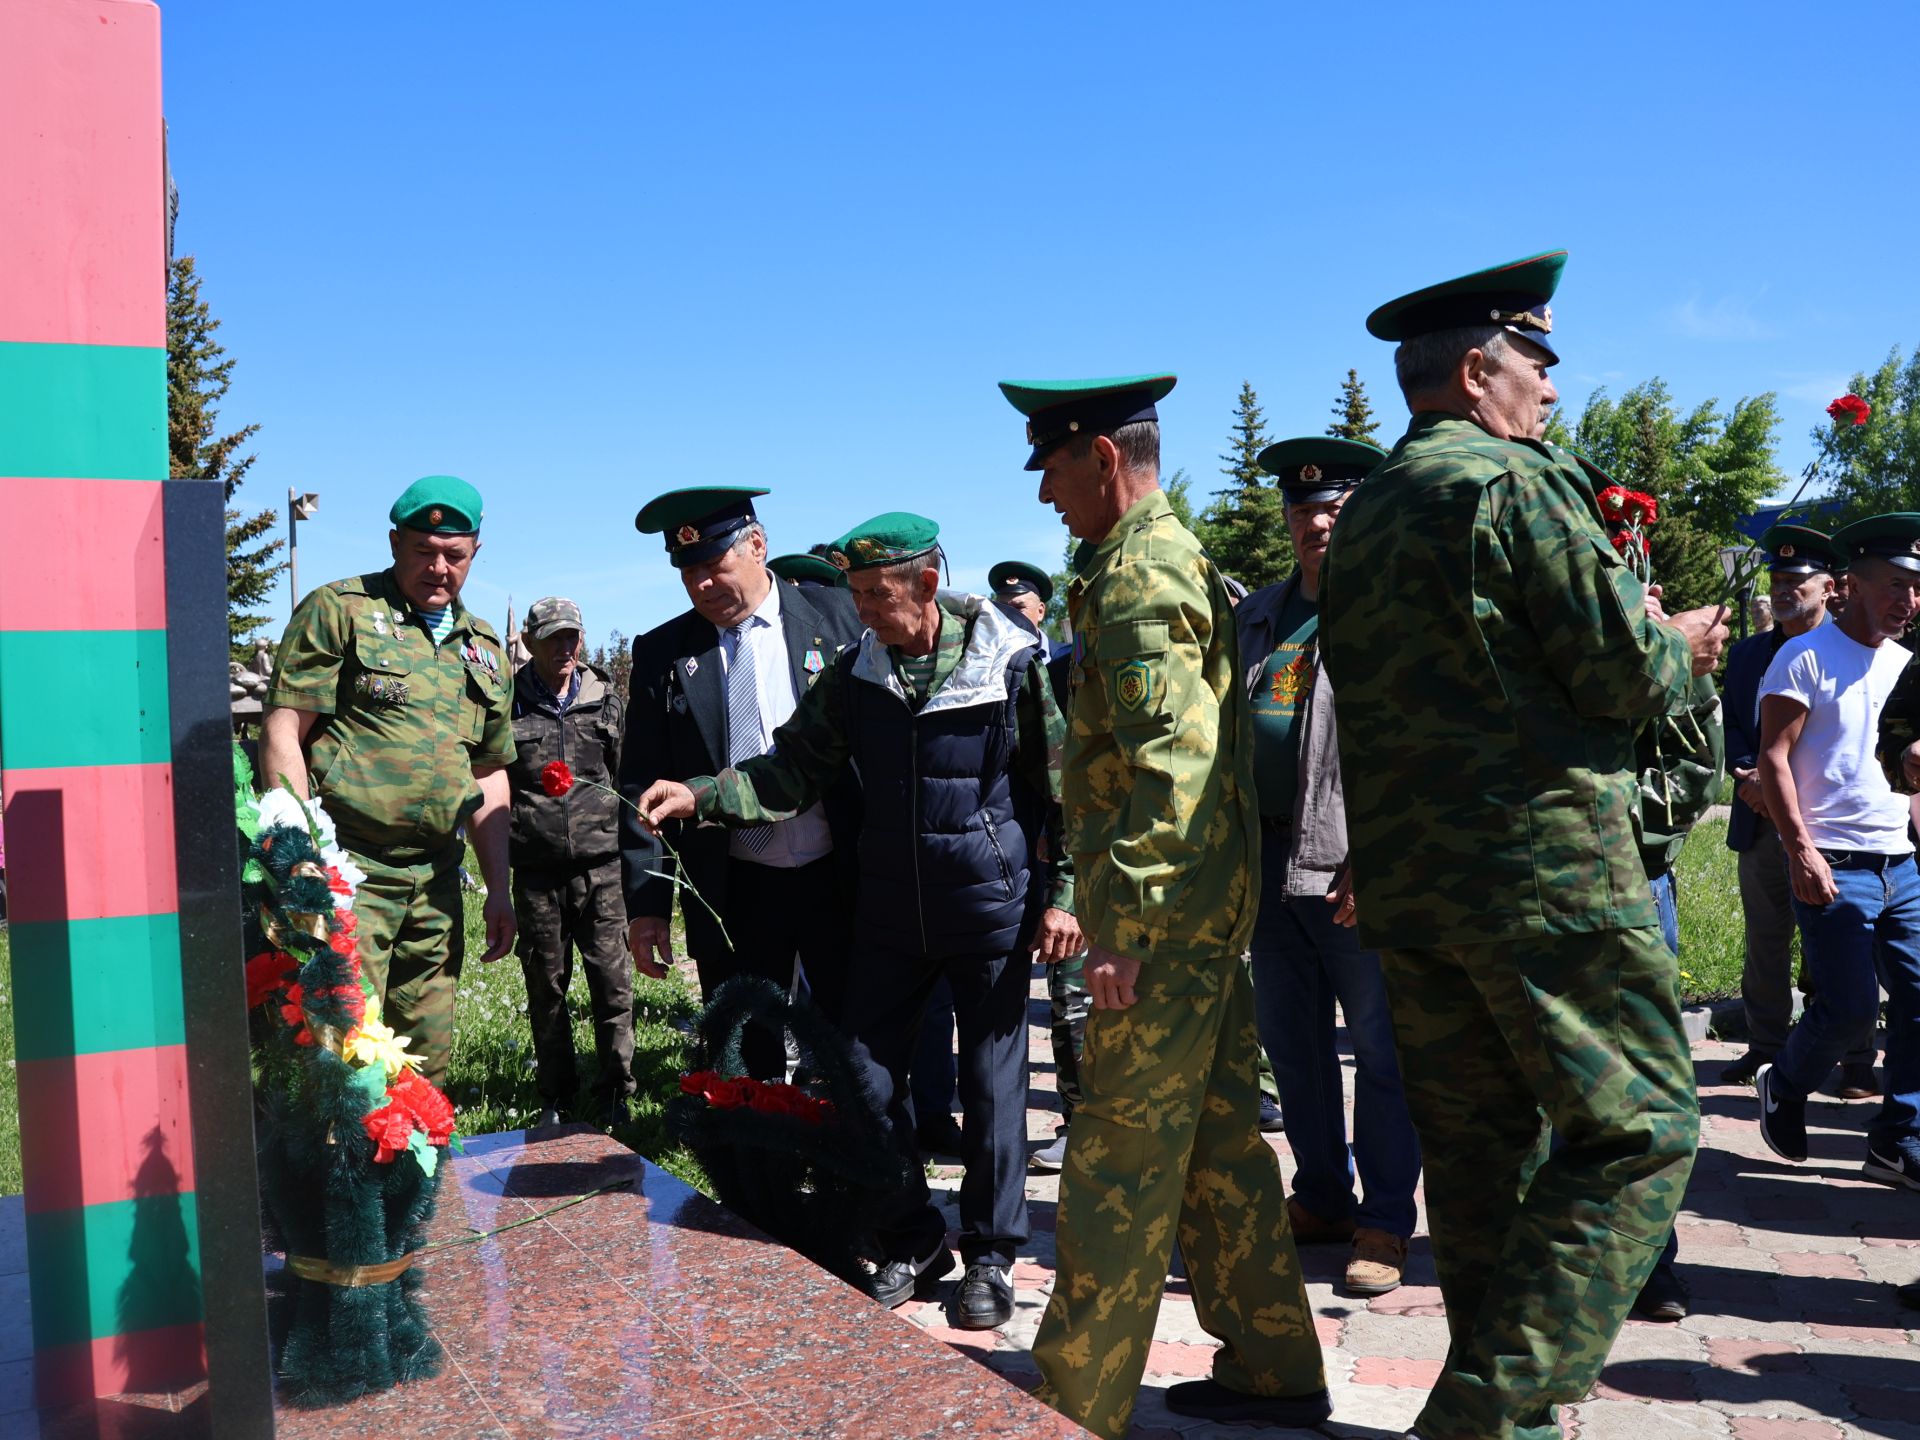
[(1313, 469), (1894, 538), (1514, 295), (1802, 550), (805, 568), (438, 505), (885, 540), (699, 522), (1015, 577), (1056, 410)]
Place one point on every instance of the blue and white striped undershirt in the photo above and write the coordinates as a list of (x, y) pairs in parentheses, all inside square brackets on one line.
[(439, 622)]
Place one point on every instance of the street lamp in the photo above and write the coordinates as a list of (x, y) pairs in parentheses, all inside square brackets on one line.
[(299, 507)]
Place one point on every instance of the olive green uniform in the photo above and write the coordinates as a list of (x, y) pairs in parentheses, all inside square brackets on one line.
[(1494, 660), (1162, 823), (404, 725)]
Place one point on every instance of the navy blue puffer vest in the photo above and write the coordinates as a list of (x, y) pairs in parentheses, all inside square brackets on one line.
[(945, 846)]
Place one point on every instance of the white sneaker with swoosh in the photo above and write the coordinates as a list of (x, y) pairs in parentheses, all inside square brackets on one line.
[(1891, 1167)]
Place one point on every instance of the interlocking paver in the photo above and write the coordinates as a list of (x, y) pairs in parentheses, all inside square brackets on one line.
[(1794, 1334)]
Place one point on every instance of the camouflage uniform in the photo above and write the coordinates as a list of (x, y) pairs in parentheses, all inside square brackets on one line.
[(1492, 656), (404, 724), (1162, 825)]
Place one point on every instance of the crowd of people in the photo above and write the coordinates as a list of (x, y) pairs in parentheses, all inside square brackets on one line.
[(1431, 785)]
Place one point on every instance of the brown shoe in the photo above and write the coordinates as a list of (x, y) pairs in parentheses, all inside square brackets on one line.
[(1310, 1229), (1857, 1082), (1378, 1259)]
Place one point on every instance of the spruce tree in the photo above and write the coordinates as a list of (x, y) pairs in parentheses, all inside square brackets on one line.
[(1353, 412), (199, 372), (1245, 529)]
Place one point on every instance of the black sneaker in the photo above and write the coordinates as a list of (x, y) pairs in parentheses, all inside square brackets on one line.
[(1663, 1297), (1272, 1122), (1742, 1071), (940, 1136), (1783, 1121), (1210, 1400), (902, 1280), (983, 1300), (1897, 1164)]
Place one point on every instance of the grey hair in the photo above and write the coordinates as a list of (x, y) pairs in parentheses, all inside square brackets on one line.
[(745, 533), (1425, 363), (933, 559), (1138, 444)]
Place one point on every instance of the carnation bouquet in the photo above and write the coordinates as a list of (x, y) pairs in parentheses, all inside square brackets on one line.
[(350, 1133)]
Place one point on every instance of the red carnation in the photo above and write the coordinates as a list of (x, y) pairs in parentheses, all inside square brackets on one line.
[(1619, 538), (390, 1127), (294, 1012), (1850, 407), (266, 973), (1613, 500), (1648, 506), (555, 777), (431, 1110)]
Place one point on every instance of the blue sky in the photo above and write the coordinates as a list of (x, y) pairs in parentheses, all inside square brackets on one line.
[(580, 254)]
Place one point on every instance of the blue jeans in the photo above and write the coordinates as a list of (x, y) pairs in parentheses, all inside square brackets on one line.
[(1866, 937), (1302, 964)]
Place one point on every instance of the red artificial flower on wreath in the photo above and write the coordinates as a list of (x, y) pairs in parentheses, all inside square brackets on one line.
[(337, 883), (1850, 407), (431, 1110), (266, 973), (294, 1012), (391, 1128), (556, 778)]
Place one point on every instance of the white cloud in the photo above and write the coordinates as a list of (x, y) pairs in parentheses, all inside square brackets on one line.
[(1728, 318)]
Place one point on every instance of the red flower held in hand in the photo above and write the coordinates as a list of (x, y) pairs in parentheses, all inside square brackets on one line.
[(555, 777), (1850, 407), (1613, 500)]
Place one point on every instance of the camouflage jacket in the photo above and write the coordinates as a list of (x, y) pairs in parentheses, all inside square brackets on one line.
[(405, 723), (1682, 758), (1900, 726), (1162, 818), (1492, 655), (552, 832)]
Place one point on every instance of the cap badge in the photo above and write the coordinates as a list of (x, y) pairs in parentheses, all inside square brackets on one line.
[(1309, 473), (1785, 552), (433, 515), (838, 560), (687, 534), (1915, 547)]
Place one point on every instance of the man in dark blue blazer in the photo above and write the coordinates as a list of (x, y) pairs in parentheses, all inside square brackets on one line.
[(1802, 564), (709, 687)]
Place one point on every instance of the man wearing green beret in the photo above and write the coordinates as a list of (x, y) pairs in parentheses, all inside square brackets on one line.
[(390, 701), (1163, 828), (1493, 659), (945, 712)]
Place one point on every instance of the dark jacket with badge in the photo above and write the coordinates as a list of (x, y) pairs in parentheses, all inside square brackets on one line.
[(582, 827), (404, 723), (1747, 664), (677, 729)]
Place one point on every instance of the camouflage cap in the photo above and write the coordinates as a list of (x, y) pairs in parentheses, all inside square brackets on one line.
[(1802, 550), (1015, 577), (885, 540), (805, 569), (1515, 295), (550, 616), (1894, 538), (438, 505), (1313, 469), (1056, 410)]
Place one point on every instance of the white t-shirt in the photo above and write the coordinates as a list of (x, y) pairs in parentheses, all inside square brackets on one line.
[(1844, 796)]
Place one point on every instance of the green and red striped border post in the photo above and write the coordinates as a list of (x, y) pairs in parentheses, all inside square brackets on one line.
[(117, 869)]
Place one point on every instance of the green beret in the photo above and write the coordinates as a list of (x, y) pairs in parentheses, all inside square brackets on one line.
[(1514, 295), (799, 568), (1015, 577), (1313, 469), (884, 540), (1894, 538), (1059, 409), (439, 505), (1802, 550)]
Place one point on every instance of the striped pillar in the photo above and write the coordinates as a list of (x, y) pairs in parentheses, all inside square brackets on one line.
[(86, 759)]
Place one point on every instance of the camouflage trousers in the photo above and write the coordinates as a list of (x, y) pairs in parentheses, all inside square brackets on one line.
[(412, 937), (1540, 1256), (560, 911), (1069, 1004), (1167, 1134)]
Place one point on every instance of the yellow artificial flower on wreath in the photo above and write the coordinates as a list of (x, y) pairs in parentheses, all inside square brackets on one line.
[(373, 1042)]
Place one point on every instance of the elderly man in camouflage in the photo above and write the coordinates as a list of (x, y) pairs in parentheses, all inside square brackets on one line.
[(1163, 828), (390, 700), (1493, 658)]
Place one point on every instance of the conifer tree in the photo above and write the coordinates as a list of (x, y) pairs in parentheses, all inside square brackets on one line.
[(1245, 529), (1353, 412), (199, 372)]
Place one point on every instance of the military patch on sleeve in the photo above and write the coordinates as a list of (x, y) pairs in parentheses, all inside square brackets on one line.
[(1132, 684)]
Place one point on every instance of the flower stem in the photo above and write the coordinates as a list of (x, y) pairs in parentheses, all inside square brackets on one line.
[(678, 881)]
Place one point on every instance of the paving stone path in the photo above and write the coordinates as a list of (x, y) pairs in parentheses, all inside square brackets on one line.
[(1794, 1335)]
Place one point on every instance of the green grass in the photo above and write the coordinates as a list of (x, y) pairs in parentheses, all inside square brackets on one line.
[(1712, 931), (491, 1080)]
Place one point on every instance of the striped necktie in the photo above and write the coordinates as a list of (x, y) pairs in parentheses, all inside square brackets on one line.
[(743, 723)]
